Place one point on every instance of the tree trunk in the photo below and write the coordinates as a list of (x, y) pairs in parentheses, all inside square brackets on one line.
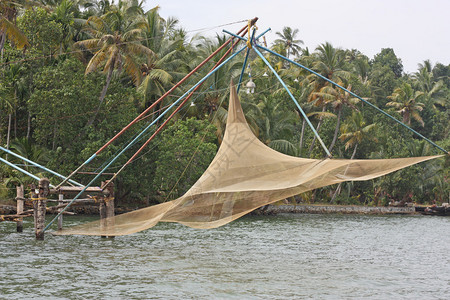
[(338, 189), (29, 126), (336, 192), (317, 130), (54, 137), (102, 95), (15, 113), (406, 118), (2, 43), (336, 130), (300, 146), (8, 136), (354, 151)]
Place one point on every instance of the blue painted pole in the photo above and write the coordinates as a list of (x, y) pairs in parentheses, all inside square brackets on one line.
[(295, 101), (267, 30), (245, 64), (21, 170), (235, 35), (38, 165), (354, 95), (140, 134)]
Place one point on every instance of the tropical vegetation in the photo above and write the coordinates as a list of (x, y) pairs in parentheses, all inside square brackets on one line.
[(74, 72)]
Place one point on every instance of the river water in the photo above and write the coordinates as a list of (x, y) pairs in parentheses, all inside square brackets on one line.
[(272, 257)]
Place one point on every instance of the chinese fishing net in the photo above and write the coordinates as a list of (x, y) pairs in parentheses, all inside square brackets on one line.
[(244, 175)]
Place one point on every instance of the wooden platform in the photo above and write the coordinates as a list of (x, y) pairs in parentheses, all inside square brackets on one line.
[(77, 189)]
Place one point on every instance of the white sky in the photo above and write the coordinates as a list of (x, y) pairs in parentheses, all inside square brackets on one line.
[(415, 29)]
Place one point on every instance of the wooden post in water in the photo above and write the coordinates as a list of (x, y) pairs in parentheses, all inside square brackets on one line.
[(108, 202), (102, 213), (20, 201), (60, 218), (39, 197)]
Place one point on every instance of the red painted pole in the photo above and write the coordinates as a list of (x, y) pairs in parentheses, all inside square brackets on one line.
[(173, 113), (171, 90)]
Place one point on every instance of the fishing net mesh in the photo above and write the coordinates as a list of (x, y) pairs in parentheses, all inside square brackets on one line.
[(244, 175)]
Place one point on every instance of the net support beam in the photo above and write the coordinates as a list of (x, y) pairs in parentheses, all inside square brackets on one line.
[(140, 134), (172, 114), (243, 30), (295, 101), (288, 91), (39, 166), (20, 169), (354, 95), (244, 65)]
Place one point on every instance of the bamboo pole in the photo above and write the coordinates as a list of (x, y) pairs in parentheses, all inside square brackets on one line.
[(108, 200), (138, 137), (39, 197), (253, 21), (60, 218), (20, 202)]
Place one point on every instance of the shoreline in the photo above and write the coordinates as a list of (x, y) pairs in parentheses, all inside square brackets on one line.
[(337, 209), (273, 209)]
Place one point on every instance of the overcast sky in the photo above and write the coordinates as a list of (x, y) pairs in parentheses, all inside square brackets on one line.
[(415, 29)]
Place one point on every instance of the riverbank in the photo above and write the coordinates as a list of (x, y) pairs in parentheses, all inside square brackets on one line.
[(269, 209), (336, 209)]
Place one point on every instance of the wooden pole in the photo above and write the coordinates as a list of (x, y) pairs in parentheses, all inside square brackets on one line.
[(20, 202), (39, 205), (60, 218), (108, 200), (102, 213)]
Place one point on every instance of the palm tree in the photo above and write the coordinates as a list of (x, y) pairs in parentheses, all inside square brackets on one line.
[(7, 105), (116, 44), (289, 41), (27, 149), (14, 89), (212, 103), (425, 81), (362, 69), (64, 15), (354, 131), (338, 99), (160, 69), (405, 100), (328, 62), (8, 29), (275, 124)]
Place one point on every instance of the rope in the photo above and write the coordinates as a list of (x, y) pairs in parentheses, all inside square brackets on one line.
[(36, 199), (95, 198), (107, 199), (249, 40), (124, 43)]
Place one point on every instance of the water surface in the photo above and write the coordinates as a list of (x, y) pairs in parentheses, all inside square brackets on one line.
[(272, 257)]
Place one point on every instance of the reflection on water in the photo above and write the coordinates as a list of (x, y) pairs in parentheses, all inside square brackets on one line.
[(284, 256)]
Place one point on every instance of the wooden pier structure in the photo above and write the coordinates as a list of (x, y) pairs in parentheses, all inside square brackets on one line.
[(103, 195)]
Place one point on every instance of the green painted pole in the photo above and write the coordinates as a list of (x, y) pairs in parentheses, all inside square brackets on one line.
[(39, 166), (140, 134), (245, 64)]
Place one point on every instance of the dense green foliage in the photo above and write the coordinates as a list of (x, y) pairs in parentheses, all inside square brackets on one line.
[(73, 73), (185, 151)]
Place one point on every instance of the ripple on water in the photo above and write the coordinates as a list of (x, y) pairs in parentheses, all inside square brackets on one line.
[(285, 256)]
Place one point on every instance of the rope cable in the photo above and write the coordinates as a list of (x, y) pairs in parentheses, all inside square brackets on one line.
[(124, 43)]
